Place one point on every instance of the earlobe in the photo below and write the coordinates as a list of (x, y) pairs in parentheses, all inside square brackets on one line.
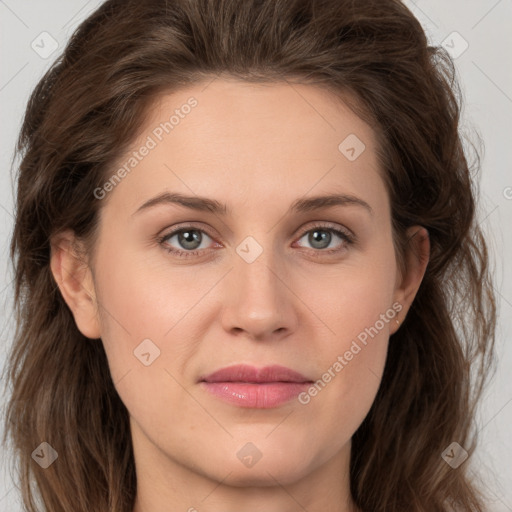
[(417, 256), (74, 279)]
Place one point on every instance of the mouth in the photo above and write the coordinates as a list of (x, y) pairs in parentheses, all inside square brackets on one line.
[(248, 386)]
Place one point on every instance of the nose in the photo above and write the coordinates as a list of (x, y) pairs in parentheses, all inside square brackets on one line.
[(260, 303)]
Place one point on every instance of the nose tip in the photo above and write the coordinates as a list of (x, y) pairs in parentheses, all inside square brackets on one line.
[(259, 302)]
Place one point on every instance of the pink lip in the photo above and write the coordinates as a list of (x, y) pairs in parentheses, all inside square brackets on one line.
[(248, 386)]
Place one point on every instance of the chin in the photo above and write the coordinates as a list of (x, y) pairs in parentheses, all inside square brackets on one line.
[(264, 473), (262, 477)]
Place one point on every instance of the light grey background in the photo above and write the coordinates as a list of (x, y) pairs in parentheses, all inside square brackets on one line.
[(486, 77)]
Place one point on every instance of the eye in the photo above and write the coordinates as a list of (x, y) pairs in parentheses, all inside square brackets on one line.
[(189, 240), (321, 237)]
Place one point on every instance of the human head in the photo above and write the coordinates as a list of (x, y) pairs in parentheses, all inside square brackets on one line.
[(101, 96)]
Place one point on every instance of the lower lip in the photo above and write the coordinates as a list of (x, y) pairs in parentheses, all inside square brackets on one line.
[(260, 396)]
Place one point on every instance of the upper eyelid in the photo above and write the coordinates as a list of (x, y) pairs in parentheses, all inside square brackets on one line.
[(321, 224), (177, 229)]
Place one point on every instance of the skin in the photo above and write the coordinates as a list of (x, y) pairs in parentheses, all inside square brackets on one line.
[(256, 148)]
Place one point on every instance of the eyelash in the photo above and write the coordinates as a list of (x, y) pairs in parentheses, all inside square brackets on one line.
[(347, 238)]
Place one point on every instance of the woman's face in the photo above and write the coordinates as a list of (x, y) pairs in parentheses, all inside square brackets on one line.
[(274, 278)]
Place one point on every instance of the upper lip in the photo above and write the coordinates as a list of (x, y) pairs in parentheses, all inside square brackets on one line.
[(247, 373)]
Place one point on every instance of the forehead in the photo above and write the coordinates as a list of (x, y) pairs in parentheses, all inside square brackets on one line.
[(262, 141)]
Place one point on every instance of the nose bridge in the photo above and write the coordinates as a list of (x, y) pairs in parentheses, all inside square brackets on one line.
[(259, 301)]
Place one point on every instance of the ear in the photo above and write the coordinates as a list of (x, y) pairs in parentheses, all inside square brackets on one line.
[(74, 279), (417, 255)]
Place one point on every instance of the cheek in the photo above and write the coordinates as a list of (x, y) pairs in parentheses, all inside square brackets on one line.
[(359, 311), (354, 297), (353, 358), (143, 300), (146, 297)]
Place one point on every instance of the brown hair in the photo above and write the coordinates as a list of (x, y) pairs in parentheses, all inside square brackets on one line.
[(88, 108)]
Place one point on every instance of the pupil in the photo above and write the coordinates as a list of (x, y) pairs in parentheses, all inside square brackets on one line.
[(320, 236), (188, 239)]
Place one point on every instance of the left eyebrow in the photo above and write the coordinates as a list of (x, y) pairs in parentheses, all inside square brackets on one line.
[(213, 206), (326, 201)]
